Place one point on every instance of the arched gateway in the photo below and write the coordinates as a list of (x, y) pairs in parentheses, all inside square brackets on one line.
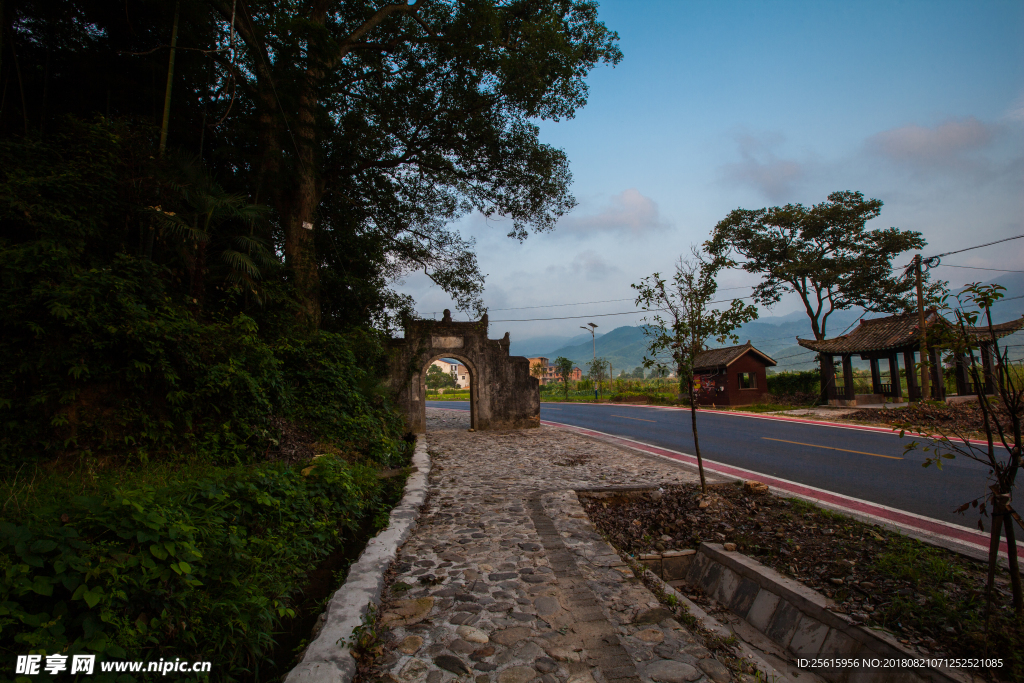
[(503, 395)]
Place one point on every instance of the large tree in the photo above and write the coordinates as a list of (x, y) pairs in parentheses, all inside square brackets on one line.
[(396, 119), (367, 127), (823, 253)]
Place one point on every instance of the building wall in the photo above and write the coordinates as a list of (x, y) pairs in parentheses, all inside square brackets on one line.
[(550, 375), (722, 386), (457, 370)]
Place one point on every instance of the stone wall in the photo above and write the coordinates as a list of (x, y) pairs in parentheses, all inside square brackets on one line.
[(503, 394)]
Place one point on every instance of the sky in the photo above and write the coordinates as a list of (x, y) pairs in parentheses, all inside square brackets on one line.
[(719, 105)]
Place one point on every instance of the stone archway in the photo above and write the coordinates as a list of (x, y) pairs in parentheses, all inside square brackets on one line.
[(503, 394)]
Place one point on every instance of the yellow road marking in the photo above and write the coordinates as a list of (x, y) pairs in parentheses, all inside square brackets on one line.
[(552, 408), (845, 450), (632, 418)]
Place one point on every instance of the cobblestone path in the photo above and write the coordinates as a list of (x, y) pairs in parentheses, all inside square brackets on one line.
[(505, 580)]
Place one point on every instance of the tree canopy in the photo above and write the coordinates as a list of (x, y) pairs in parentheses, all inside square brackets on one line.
[(366, 128), (823, 253)]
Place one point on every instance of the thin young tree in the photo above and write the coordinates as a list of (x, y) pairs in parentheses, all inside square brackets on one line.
[(1002, 416), (563, 368), (684, 322)]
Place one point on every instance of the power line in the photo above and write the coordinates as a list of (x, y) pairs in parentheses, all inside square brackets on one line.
[(987, 244), (584, 303), (998, 270), (604, 315)]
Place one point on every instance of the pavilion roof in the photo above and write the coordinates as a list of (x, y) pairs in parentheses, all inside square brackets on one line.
[(727, 355), (896, 332)]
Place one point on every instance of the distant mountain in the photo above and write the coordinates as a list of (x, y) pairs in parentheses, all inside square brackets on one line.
[(774, 335), (537, 346), (624, 347)]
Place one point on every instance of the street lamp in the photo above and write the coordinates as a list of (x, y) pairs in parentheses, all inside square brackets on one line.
[(593, 337)]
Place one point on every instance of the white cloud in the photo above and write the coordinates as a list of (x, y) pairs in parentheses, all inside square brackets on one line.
[(948, 145), (762, 169), (628, 212)]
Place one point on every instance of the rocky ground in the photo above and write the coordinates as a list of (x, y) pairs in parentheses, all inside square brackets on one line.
[(931, 599), (506, 581)]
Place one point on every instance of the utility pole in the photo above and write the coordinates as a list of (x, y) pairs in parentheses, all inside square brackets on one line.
[(924, 332), (593, 337)]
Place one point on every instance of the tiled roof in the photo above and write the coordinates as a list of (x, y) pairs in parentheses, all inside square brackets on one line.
[(894, 332), (716, 358)]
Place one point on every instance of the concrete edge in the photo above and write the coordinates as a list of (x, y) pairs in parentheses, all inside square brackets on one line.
[(327, 658), (709, 623), (813, 605)]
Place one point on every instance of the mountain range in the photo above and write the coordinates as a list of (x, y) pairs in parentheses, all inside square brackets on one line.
[(776, 336)]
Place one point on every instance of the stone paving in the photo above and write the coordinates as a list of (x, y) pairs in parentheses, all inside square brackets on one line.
[(506, 581)]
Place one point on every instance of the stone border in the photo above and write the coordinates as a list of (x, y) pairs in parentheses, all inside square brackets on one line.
[(798, 618), (327, 659)]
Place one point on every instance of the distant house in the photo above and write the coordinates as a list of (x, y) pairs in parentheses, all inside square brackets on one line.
[(548, 371), (731, 376), (458, 371)]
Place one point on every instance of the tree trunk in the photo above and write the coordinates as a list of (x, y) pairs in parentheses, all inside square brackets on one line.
[(299, 246), (1011, 554), (696, 442), (199, 275), (993, 562)]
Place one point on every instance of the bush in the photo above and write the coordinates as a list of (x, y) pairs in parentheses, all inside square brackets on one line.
[(801, 382), (206, 569)]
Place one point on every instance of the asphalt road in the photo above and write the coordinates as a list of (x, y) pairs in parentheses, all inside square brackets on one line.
[(864, 464)]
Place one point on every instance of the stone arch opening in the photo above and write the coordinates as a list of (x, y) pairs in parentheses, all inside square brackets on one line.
[(473, 379), (503, 394)]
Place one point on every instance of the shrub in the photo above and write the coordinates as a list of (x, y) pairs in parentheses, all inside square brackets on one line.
[(205, 569), (801, 382)]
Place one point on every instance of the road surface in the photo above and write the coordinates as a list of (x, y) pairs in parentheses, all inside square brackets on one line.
[(869, 465)]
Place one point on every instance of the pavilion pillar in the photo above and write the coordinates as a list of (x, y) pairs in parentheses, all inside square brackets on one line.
[(848, 377), (913, 394), (938, 378), (960, 372), (828, 376), (896, 386), (876, 376), (986, 365)]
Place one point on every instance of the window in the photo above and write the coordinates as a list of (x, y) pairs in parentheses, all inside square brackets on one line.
[(748, 380)]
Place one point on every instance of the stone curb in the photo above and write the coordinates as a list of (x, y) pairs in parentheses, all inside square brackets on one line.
[(709, 623), (799, 618), (327, 659)]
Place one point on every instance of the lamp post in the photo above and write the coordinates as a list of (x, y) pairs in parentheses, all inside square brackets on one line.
[(591, 327)]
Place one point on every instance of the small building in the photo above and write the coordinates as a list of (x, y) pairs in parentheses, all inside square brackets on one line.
[(732, 375), (546, 372), (897, 338), (457, 370)]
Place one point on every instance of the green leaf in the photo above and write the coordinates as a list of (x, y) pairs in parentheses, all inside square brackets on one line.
[(158, 551), (43, 546), (93, 596)]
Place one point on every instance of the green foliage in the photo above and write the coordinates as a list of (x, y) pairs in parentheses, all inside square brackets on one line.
[(597, 368), (563, 368), (797, 382), (683, 319), (203, 569), (439, 379), (823, 253)]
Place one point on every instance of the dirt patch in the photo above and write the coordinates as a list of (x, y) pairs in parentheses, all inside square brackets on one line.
[(931, 599), (950, 418)]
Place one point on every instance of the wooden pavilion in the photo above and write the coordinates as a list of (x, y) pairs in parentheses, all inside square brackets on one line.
[(890, 338)]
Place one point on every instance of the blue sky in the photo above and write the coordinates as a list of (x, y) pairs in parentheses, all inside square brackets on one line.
[(719, 105)]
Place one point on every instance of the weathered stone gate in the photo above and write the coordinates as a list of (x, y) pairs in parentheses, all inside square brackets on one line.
[(503, 395)]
